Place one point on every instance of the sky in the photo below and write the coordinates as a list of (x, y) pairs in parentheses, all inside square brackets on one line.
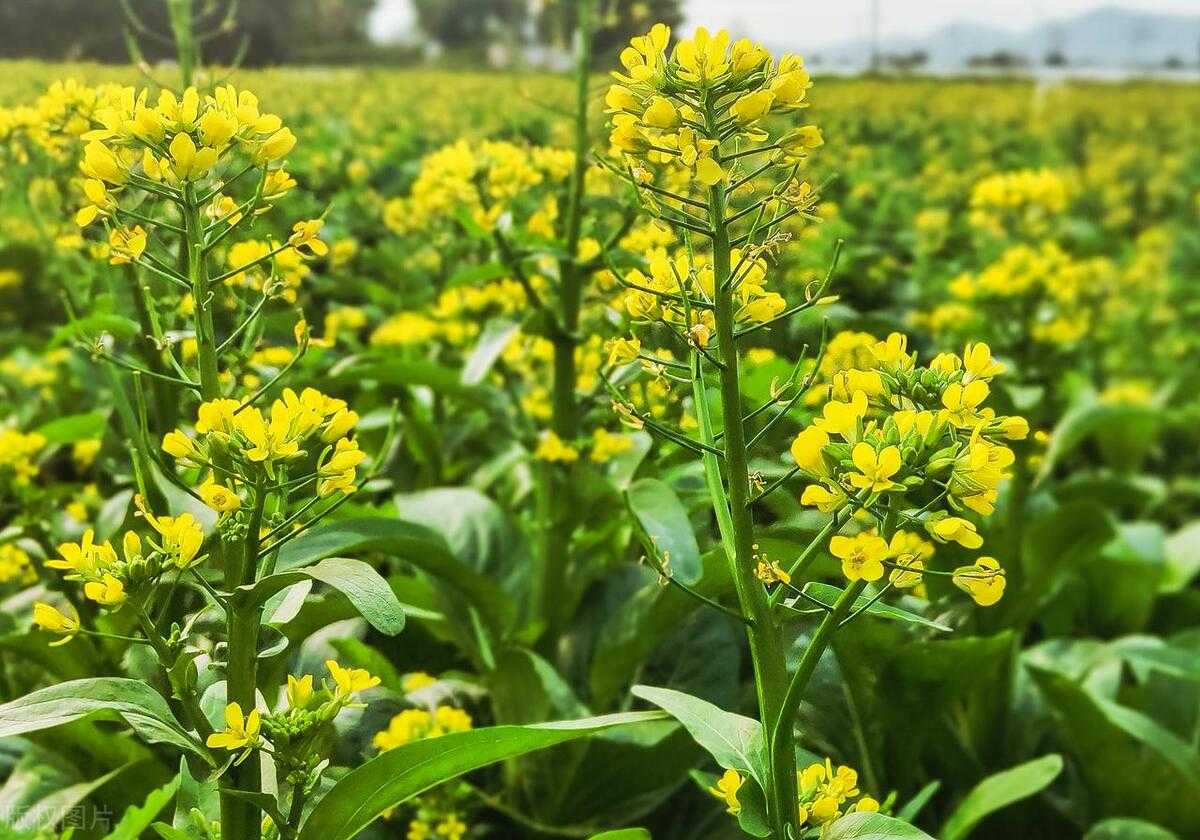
[(816, 23)]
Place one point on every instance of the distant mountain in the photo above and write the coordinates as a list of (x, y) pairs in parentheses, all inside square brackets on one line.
[(1106, 37)]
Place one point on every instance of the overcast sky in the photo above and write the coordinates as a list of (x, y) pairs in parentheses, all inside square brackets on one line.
[(815, 23)]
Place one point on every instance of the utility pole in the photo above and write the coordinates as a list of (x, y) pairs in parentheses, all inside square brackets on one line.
[(875, 59)]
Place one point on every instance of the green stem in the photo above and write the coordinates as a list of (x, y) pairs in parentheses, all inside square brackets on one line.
[(766, 643), (782, 740), (180, 14), (552, 601), (239, 818)]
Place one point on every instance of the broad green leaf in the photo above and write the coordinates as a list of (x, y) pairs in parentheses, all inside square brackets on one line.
[(74, 427), (91, 326), (137, 819), (1152, 653), (1183, 558), (622, 468), (1170, 746), (1127, 828), (1057, 543), (443, 380), (647, 616), (623, 834), (474, 274), (495, 337), (998, 791), (43, 789), (196, 799), (358, 581), (734, 741), (665, 519), (407, 541), (1125, 431), (828, 596), (137, 703), (1131, 765), (399, 774), (868, 826), (913, 807)]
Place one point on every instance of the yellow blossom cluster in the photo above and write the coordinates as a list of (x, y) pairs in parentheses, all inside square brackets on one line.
[(480, 180), (109, 577), (15, 565), (17, 455), (825, 793), (677, 110), (1048, 295), (416, 724), (268, 442), (914, 439), (290, 729), (1023, 201)]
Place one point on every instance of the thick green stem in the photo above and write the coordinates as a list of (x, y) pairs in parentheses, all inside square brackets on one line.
[(766, 642), (180, 14), (781, 733), (559, 518), (239, 818)]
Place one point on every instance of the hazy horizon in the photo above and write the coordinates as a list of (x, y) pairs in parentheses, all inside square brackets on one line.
[(816, 25)]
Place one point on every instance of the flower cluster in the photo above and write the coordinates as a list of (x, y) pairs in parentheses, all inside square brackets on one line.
[(482, 180), (266, 443), (15, 565), (17, 455), (825, 793), (109, 577), (1037, 292), (1024, 201), (916, 441), (299, 732), (679, 110), (437, 813)]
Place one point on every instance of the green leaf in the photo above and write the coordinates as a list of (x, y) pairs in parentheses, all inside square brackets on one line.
[(998, 791), (734, 741), (137, 703), (358, 581), (496, 335), (399, 774), (1130, 765), (197, 800), (474, 274), (74, 427), (36, 795), (1183, 558), (443, 380), (868, 826), (1127, 828), (93, 325), (665, 519), (137, 819), (914, 806), (623, 834), (415, 544), (1124, 432), (828, 596), (1152, 653)]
